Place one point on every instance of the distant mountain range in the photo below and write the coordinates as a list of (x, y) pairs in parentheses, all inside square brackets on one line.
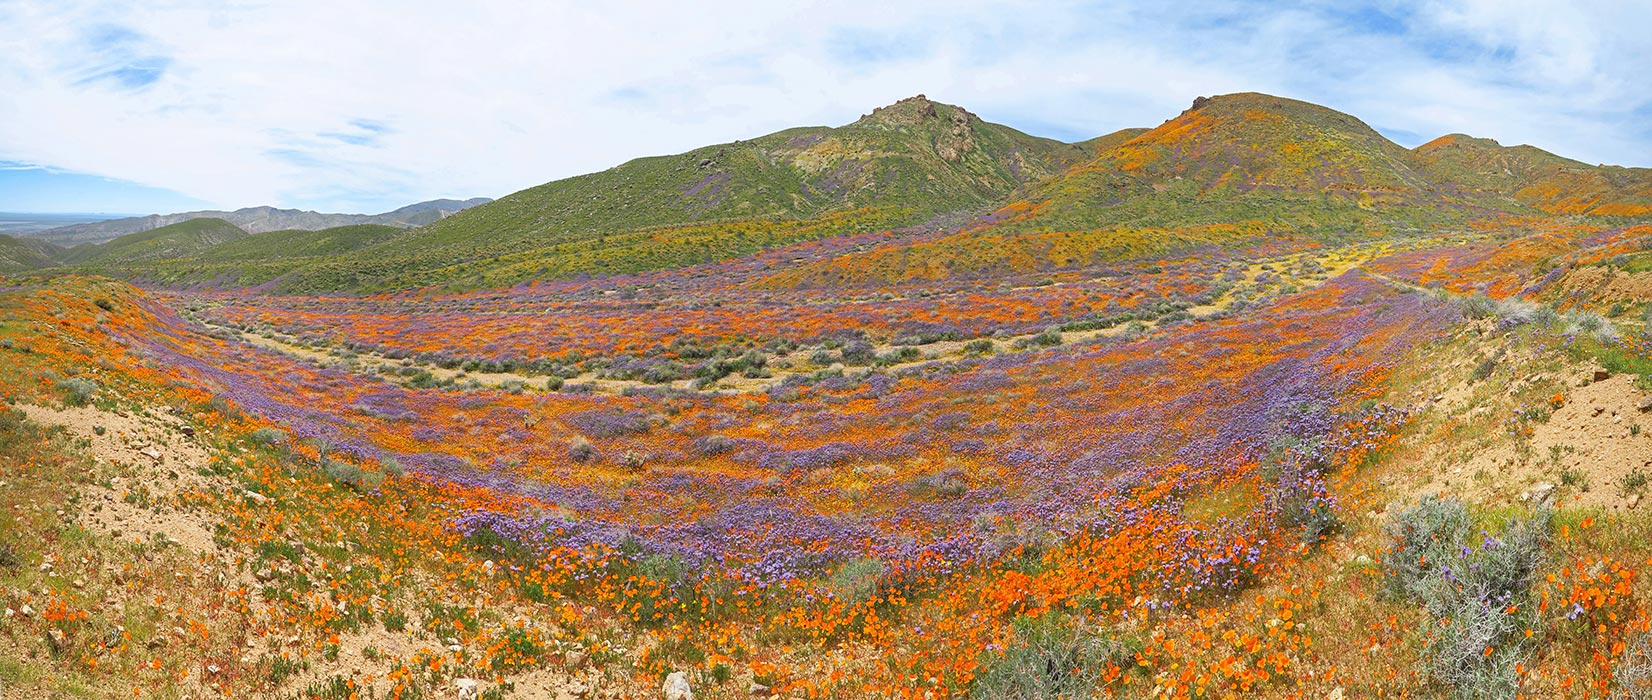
[(254, 220)]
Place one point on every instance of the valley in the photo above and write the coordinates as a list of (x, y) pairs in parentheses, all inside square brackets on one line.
[(1254, 403)]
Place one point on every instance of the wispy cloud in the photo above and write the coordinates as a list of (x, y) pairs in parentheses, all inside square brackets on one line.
[(375, 104)]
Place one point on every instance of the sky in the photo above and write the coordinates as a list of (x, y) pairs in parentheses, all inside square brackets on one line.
[(363, 106)]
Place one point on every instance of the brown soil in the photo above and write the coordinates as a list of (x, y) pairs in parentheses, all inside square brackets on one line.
[(156, 462), (1607, 284)]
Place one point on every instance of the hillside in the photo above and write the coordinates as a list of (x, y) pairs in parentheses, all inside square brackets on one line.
[(22, 254), (1536, 178), (257, 220), (900, 165), (182, 239), (1251, 405), (1231, 169), (261, 257), (965, 198)]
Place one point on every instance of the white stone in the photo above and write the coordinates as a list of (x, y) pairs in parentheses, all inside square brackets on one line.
[(676, 687), (466, 688)]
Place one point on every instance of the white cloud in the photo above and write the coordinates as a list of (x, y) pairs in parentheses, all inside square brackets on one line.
[(253, 103)]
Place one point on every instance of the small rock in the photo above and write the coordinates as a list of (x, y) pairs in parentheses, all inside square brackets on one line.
[(57, 639), (1602, 375), (1645, 404), (151, 453), (488, 567), (758, 690), (26, 611), (578, 689), (188, 430), (1362, 560), (1335, 694), (466, 688), (575, 660), (676, 687), (1539, 493), (256, 497), (264, 575)]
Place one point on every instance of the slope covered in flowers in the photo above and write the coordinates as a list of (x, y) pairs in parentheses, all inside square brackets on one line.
[(1175, 494)]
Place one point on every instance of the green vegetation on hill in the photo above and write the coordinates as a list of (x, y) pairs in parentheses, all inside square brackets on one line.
[(298, 243), (1231, 170), (262, 257), (898, 166), (1536, 178), (24, 254), (179, 240)]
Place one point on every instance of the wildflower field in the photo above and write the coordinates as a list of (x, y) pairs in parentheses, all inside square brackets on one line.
[(1186, 476)]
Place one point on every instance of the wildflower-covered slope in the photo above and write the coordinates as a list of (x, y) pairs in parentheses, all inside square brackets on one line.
[(1219, 459)]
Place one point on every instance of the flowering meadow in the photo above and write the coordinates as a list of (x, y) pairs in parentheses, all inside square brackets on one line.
[(1166, 478)]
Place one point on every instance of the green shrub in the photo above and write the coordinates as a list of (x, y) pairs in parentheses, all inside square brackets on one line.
[(268, 437), (978, 347), (1050, 660), (1478, 306), (80, 391), (1479, 596), (352, 475), (858, 580)]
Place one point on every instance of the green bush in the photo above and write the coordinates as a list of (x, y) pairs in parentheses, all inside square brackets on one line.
[(1478, 593), (80, 391), (1050, 660), (858, 580), (352, 476), (268, 437)]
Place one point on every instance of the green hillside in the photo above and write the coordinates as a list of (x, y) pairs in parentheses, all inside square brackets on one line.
[(899, 165), (24, 254), (178, 240), (1231, 169), (261, 257), (1536, 178)]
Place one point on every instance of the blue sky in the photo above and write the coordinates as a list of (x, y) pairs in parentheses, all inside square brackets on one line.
[(366, 106)]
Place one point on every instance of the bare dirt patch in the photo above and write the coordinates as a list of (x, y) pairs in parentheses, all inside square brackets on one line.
[(154, 460), (1604, 283)]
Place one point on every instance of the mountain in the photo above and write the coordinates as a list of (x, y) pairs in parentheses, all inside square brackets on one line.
[(178, 240), (23, 254), (257, 220), (966, 198), (1536, 178), (899, 165), (1229, 169)]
